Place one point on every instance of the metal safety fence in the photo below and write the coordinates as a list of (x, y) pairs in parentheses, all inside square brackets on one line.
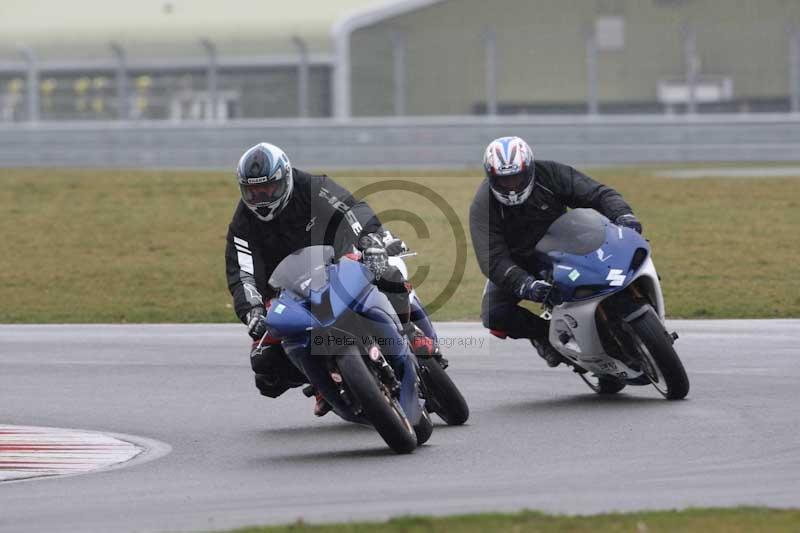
[(403, 143)]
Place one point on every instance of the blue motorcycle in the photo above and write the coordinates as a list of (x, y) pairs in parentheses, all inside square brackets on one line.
[(340, 331), (606, 310)]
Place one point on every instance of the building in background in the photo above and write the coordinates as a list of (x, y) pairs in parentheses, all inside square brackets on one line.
[(460, 57), (248, 59), (167, 59)]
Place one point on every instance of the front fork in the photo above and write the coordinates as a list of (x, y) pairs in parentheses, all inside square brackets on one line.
[(625, 307)]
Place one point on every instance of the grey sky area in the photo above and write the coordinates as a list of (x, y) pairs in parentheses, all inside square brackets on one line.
[(84, 27)]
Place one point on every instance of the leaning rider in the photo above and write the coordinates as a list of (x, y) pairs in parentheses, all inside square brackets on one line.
[(511, 211), (283, 209)]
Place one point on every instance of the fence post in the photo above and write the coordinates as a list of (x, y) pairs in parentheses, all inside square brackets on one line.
[(399, 43), (122, 81), (591, 72), (31, 83), (794, 68), (691, 63), (490, 43), (302, 77), (211, 77)]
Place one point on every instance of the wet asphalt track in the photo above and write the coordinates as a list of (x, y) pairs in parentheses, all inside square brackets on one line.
[(537, 438)]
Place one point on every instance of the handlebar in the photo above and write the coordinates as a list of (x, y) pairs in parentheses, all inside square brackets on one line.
[(553, 298)]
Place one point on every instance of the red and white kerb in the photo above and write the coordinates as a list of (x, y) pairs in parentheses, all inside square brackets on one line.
[(27, 452)]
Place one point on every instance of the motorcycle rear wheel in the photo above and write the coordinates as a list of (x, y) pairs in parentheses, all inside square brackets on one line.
[(602, 385), (380, 408), (424, 428), (653, 347)]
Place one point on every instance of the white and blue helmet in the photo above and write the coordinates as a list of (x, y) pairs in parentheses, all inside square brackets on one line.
[(265, 180), (508, 163)]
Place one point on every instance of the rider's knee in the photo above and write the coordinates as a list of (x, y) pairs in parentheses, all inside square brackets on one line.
[(493, 317), (487, 323), (493, 327), (265, 359), (271, 385), (275, 374), (496, 319)]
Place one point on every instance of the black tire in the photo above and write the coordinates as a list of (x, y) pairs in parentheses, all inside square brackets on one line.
[(655, 345), (603, 385), (383, 412), (424, 428), (444, 398)]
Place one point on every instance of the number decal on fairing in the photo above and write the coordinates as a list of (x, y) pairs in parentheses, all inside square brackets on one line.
[(615, 277)]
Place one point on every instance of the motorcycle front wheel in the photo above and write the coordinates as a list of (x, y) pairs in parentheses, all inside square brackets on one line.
[(443, 397), (380, 408), (652, 345)]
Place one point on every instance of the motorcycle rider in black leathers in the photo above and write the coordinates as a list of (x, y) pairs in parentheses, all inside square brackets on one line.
[(511, 211), (282, 210)]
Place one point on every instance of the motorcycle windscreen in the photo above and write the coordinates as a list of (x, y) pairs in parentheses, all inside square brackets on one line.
[(303, 271), (578, 232)]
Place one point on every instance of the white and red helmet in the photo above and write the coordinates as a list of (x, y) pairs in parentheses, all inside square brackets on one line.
[(508, 163)]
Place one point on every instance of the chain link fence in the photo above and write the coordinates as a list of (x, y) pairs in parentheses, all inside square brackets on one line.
[(609, 63)]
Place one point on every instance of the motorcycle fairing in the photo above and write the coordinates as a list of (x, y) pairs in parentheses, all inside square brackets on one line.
[(292, 314), (598, 262), (386, 328), (592, 259), (347, 289)]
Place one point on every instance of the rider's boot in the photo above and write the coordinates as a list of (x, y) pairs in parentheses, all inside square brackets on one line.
[(422, 345), (321, 407), (547, 352)]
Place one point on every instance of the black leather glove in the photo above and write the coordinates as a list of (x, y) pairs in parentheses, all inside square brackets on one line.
[(534, 289), (255, 322), (393, 245), (384, 239), (629, 221)]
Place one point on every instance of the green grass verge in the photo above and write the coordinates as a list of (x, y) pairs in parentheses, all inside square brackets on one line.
[(147, 246), (738, 520)]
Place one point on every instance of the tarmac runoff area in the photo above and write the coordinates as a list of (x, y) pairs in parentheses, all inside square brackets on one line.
[(537, 438)]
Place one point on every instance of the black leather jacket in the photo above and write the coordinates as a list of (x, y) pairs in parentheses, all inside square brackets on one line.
[(504, 237), (320, 211)]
